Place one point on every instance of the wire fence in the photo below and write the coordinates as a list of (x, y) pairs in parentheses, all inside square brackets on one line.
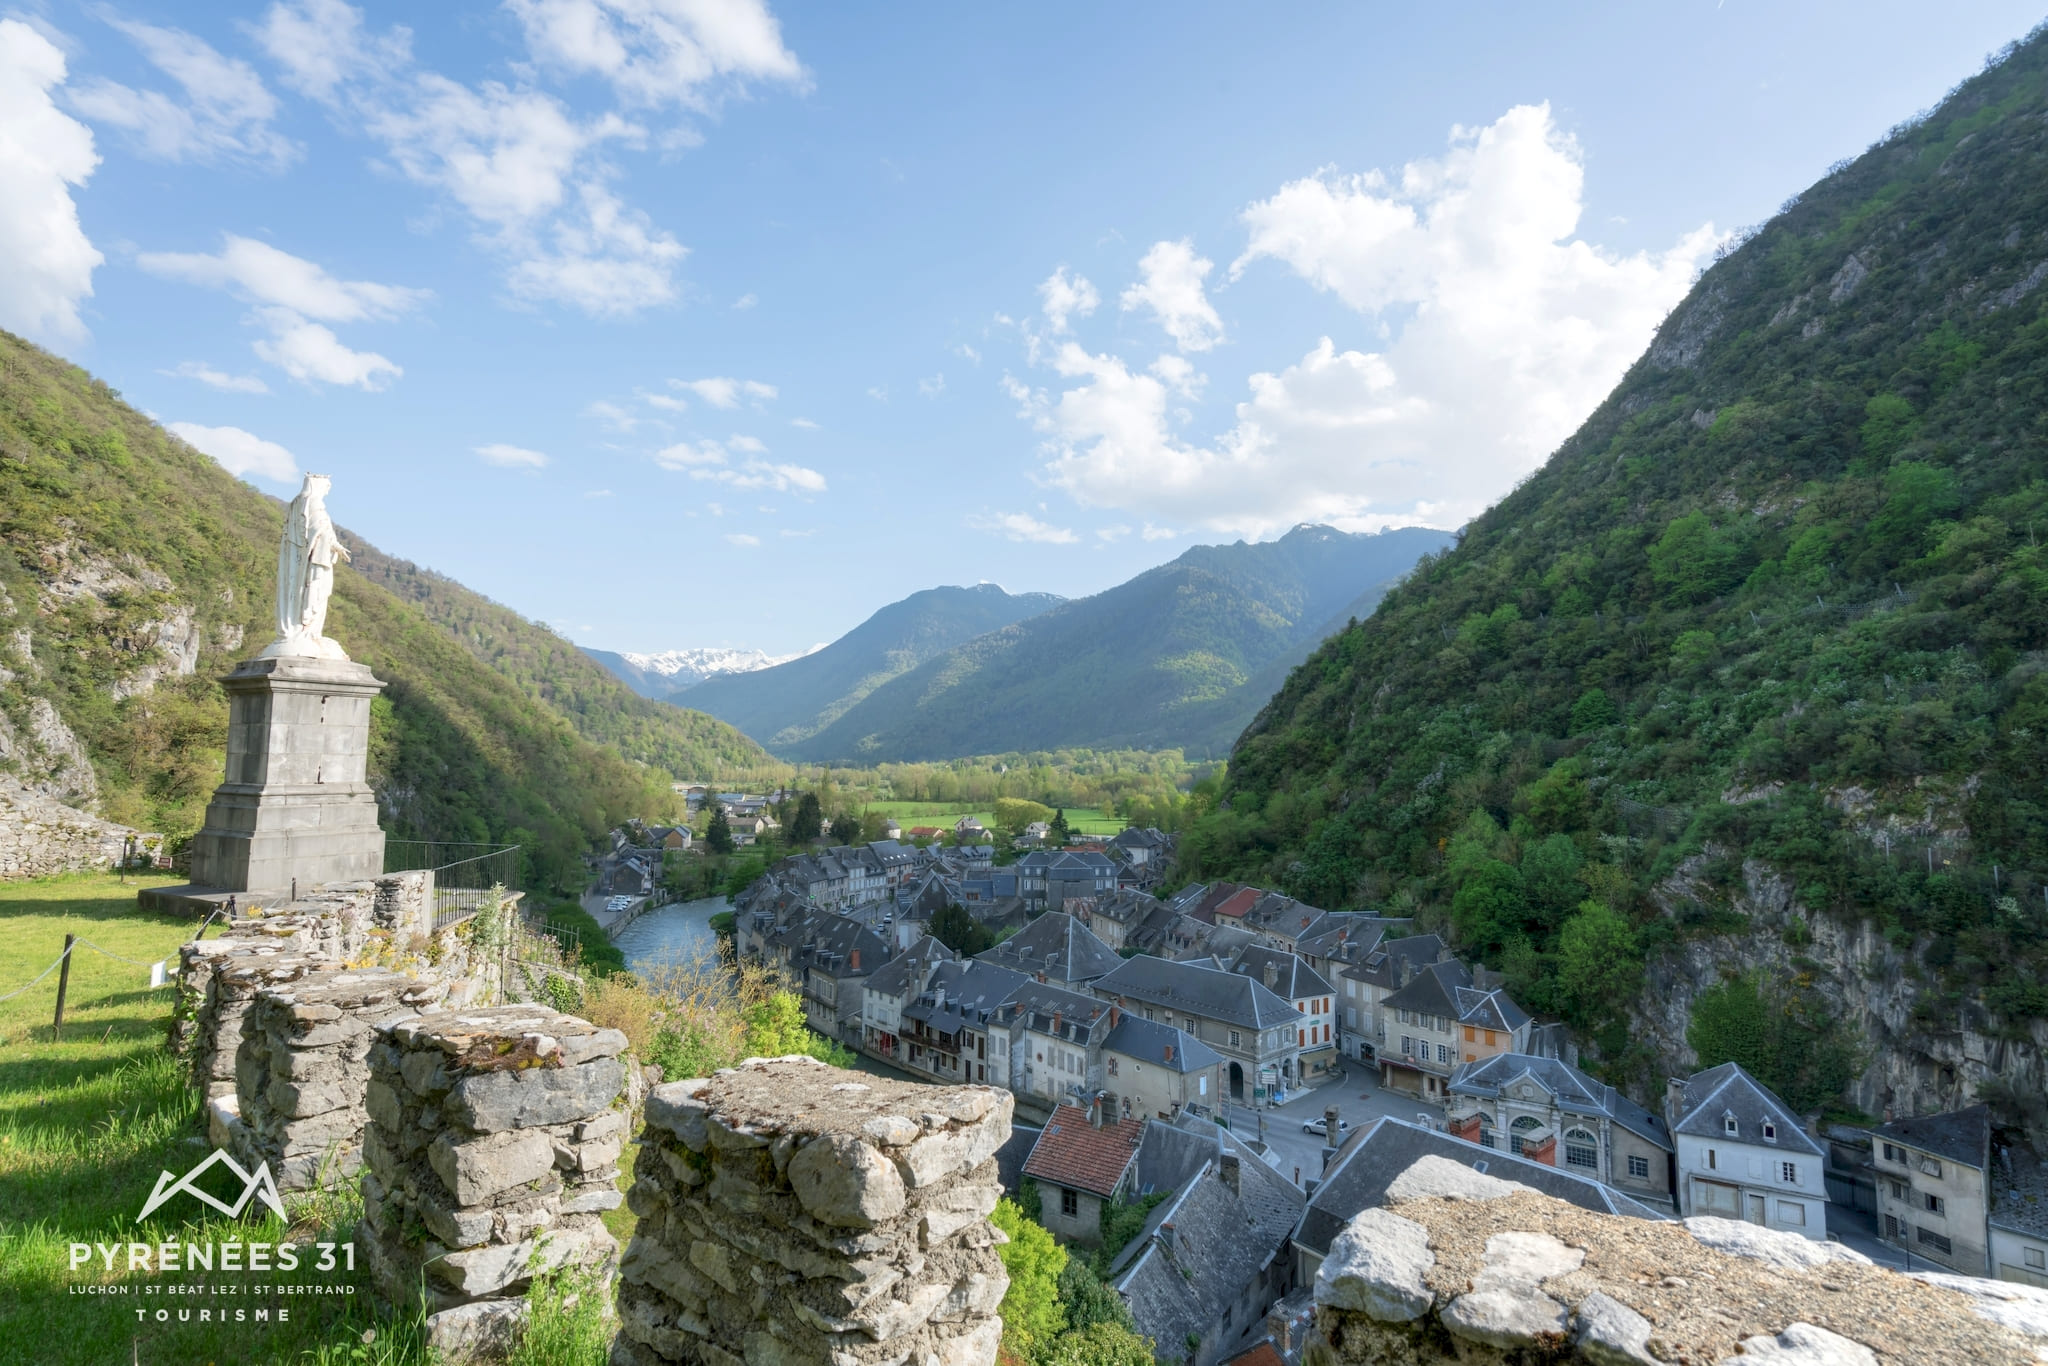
[(465, 874)]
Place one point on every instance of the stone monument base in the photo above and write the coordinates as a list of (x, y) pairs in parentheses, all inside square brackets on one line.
[(296, 806)]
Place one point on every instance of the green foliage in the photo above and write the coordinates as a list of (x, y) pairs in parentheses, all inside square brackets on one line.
[(568, 1322), (1599, 964), (776, 1028), (1014, 813), (961, 932), (591, 946), (845, 828), (1032, 1313), (1088, 1298), (1119, 1222), (1798, 551), (807, 822), (1056, 829), (1783, 1040), (718, 831), (1099, 1344)]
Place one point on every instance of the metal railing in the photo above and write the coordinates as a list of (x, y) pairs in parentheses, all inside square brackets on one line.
[(464, 873)]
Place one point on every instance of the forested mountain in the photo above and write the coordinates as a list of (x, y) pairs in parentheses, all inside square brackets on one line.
[(549, 669), (1160, 662), (134, 571), (1751, 676), (784, 706)]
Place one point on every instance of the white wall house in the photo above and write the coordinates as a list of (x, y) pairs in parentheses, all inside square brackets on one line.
[(1742, 1154)]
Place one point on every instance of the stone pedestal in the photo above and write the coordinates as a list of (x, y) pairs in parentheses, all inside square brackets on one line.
[(296, 805)]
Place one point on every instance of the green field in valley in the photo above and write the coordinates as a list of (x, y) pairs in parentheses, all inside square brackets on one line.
[(1081, 820)]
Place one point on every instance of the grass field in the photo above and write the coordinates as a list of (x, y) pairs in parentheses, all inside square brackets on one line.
[(1081, 820), (88, 1122)]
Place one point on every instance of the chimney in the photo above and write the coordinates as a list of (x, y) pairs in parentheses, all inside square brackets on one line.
[(1674, 1096), (853, 961), (1115, 1016), (1232, 1174), (1095, 1110), (1272, 974), (1330, 1129), (1057, 1017), (1169, 1052)]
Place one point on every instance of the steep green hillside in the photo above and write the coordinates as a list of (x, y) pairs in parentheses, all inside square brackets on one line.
[(1160, 662), (550, 670), (786, 705), (1783, 598), (133, 571)]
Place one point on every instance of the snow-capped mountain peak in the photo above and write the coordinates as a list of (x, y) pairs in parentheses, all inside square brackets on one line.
[(686, 668)]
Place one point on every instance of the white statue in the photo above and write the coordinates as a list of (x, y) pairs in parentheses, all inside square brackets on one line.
[(305, 576)]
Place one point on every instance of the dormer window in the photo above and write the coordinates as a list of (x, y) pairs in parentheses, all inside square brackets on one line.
[(1770, 1132), (1729, 1126)]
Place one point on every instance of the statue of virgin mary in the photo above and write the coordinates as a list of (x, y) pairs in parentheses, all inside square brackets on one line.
[(305, 576)]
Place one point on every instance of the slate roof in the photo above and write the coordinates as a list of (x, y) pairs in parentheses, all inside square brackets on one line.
[(825, 941), (1385, 965), (1039, 1004), (1159, 1045), (1434, 990), (1072, 1152), (1170, 1155), (1295, 979), (1574, 1091), (1198, 990), (1201, 1247), (1705, 1099), (1056, 946), (1010, 1157), (896, 978), (1960, 1135), (1381, 1150), (1347, 936), (960, 995), (1493, 1009), (1282, 915), (2019, 1190)]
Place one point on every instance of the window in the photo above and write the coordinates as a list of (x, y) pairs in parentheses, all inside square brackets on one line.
[(1471, 1034), (1581, 1149), (1770, 1132), (1351, 1017), (1407, 1046), (1491, 1039), (2035, 1257), (1938, 1241), (1898, 1189), (1639, 1167), (1934, 1204), (1792, 1213), (1110, 1064), (1301, 1038), (1729, 1126), (1070, 1204), (1444, 1053), (1236, 1039), (1930, 1166), (1713, 1160), (1891, 1226), (1892, 1154), (1521, 1129), (1788, 1172)]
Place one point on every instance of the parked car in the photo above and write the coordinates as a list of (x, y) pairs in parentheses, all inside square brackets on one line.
[(1315, 1126)]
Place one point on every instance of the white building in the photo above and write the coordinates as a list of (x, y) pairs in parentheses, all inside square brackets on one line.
[(1742, 1154)]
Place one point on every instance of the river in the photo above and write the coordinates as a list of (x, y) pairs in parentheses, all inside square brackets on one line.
[(674, 933)]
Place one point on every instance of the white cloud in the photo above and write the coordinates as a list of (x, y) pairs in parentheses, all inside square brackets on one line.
[(226, 111), (1065, 296), (752, 445), (746, 301), (1172, 288), (511, 457), (879, 393), (311, 352), (666, 403), (968, 352), (1022, 526), (1159, 533), (598, 493), (804, 423), (322, 43), (607, 260), (1112, 533), (1502, 332), (791, 533), (933, 387), (711, 460), (43, 154), (690, 455), (741, 538), (261, 273), (238, 452), (614, 417), (218, 379), (724, 392), (657, 52)]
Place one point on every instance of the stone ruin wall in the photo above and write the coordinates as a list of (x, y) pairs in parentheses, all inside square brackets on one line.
[(493, 1144), (41, 836), (794, 1213), (1462, 1267)]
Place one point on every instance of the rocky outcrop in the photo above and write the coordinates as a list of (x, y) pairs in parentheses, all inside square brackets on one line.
[(302, 1072), (1862, 981), (794, 1213), (1461, 1267), (41, 836), (492, 1145)]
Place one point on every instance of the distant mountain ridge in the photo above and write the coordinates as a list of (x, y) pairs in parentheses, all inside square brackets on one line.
[(785, 705), (665, 673), (1182, 656)]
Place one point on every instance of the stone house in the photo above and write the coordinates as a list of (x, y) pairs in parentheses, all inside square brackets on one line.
[(1113, 917), (1255, 1029), (1151, 1070), (1212, 1257), (890, 988), (1933, 1187), (1442, 1019), (1081, 1162), (1054, 1040), (1047, 877), (2019, 1214), (1741, 1154), (1056, 948), (827, 957), (1142, 848), (1388, 967), (1549, 1111), (1289, 977), (946, 1030)]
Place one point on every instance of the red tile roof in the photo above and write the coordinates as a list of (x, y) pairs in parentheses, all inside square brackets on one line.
[(1074, 1153), (1236, 907), (1261, 1354)]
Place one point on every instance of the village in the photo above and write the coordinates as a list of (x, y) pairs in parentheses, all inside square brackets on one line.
[(1240, 1074)]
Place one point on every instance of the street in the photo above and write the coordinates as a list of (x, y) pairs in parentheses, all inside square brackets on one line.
[(1358, 1098)]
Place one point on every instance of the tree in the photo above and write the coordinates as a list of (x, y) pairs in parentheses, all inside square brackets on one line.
[(776, 1028), (1014, 813), (961, 932), (1550, 879), (845, 828), (718, 834), (1599, 965), (1058, 832), (1694, 560), (807, 822), (1031, 1309), (1099, 1344), (1730, 1023), (1592, 711), (1488, 910)]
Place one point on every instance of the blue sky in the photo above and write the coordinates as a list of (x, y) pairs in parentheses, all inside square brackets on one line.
[(703, 322)]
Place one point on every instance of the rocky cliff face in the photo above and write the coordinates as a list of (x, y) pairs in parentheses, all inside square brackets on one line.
[(1876, 989)]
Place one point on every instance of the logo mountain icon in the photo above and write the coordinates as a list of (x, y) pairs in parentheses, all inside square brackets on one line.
[(257, 1185)]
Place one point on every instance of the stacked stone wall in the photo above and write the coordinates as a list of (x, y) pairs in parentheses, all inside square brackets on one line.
[(795, 1213), (492, 1145), (302, 1071), (230, 990), (1461, 1267), (41, 837)]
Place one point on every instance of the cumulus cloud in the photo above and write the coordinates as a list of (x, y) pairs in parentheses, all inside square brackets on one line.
[(741, 538), (1022, 526), (320, 44), (238, 452), (1170, 284), (933, 386), (310, 351), (657, 52), (219, 379), (1064, 297), (605, 259), (511, 457), (44, 154), (261, 273), (1502, 332), (225, 111), (724, 392)]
